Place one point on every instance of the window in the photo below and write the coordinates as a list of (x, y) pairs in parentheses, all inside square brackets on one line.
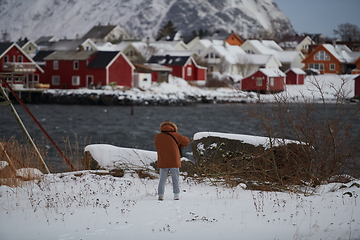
[(20, 59), (189, 71), (75, 80), (56, 65), (318, 66), (6, 59), (76, 65), (321, 55), (212, 55), (29, 48), (36, 78), (259, 81), (332, 67), (55, 80), (271, 81)]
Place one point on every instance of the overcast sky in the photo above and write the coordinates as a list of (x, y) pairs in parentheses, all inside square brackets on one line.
[(320, 16)]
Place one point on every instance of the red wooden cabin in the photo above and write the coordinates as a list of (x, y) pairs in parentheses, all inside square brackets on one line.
[(183, 67), (295, 76), (264, 80)]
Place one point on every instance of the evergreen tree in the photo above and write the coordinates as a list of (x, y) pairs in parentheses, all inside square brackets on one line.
[(166, 30)]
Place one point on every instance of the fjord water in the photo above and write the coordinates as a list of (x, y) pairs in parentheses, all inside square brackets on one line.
[(135, 127)]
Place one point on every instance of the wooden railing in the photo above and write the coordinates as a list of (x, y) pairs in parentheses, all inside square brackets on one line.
[(19, 67)]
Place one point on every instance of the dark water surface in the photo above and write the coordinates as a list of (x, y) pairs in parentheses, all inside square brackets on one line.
[(115, 125)]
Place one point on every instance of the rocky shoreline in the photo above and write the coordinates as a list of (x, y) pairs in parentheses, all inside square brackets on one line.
[(124, 98)]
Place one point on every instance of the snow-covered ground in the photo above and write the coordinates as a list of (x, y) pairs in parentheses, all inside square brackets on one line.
[(89, 205)]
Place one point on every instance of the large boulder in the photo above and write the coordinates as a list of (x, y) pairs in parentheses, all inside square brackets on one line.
[(250, 157)]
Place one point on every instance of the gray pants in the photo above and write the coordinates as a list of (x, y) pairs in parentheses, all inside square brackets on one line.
[(164, 172)]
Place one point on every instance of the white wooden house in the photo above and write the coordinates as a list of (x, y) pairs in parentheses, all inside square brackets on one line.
[(288, 59)]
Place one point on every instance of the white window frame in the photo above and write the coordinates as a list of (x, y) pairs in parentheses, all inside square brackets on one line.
[(332, 67), (75, 80), (259, 81), (20, 59), (55, 80), (56, 65), (322, 55), (189, 71), (36, 78), (76, 65), (272, 82), (317, 66)]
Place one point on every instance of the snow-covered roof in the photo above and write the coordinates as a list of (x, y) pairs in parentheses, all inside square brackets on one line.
[(255, 59), (271, 44), (295, 70), (231, 53), (272, 72), (288, 56), (342, 53), (264, 47)]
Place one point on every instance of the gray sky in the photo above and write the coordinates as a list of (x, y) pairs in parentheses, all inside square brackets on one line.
[(320, 16)]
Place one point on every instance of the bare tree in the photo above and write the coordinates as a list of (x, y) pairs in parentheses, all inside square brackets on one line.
[(348, 32), (145, 52), (245, 65)]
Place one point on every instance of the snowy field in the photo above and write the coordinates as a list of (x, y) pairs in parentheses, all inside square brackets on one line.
[(88, 205)]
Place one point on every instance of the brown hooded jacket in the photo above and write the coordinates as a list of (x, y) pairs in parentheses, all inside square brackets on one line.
[(167, 149)]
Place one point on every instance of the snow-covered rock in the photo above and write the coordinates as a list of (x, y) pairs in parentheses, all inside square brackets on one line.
[(28, 174)]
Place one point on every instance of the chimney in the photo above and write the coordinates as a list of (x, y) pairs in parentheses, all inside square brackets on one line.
[(148, 41), (334, 42)]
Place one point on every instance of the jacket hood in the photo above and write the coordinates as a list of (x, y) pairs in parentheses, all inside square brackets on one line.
[(168, 127)]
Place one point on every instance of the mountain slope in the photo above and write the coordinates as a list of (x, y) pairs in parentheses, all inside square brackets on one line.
[(141, 18)]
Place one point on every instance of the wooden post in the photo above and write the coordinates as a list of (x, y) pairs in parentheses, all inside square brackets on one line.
[(18, 119), (42, 129)]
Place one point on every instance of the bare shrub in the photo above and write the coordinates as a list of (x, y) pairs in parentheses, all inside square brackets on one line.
[(327, 136)]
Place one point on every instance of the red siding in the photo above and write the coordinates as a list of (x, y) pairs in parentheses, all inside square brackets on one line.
[(250, 83), (14, 52), (121, 72), (197, 74), (177, 71), (357, 87), (66, 72), (294, 78)]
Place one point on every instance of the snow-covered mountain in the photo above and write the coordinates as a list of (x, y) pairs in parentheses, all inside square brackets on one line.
[(141, 18)]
